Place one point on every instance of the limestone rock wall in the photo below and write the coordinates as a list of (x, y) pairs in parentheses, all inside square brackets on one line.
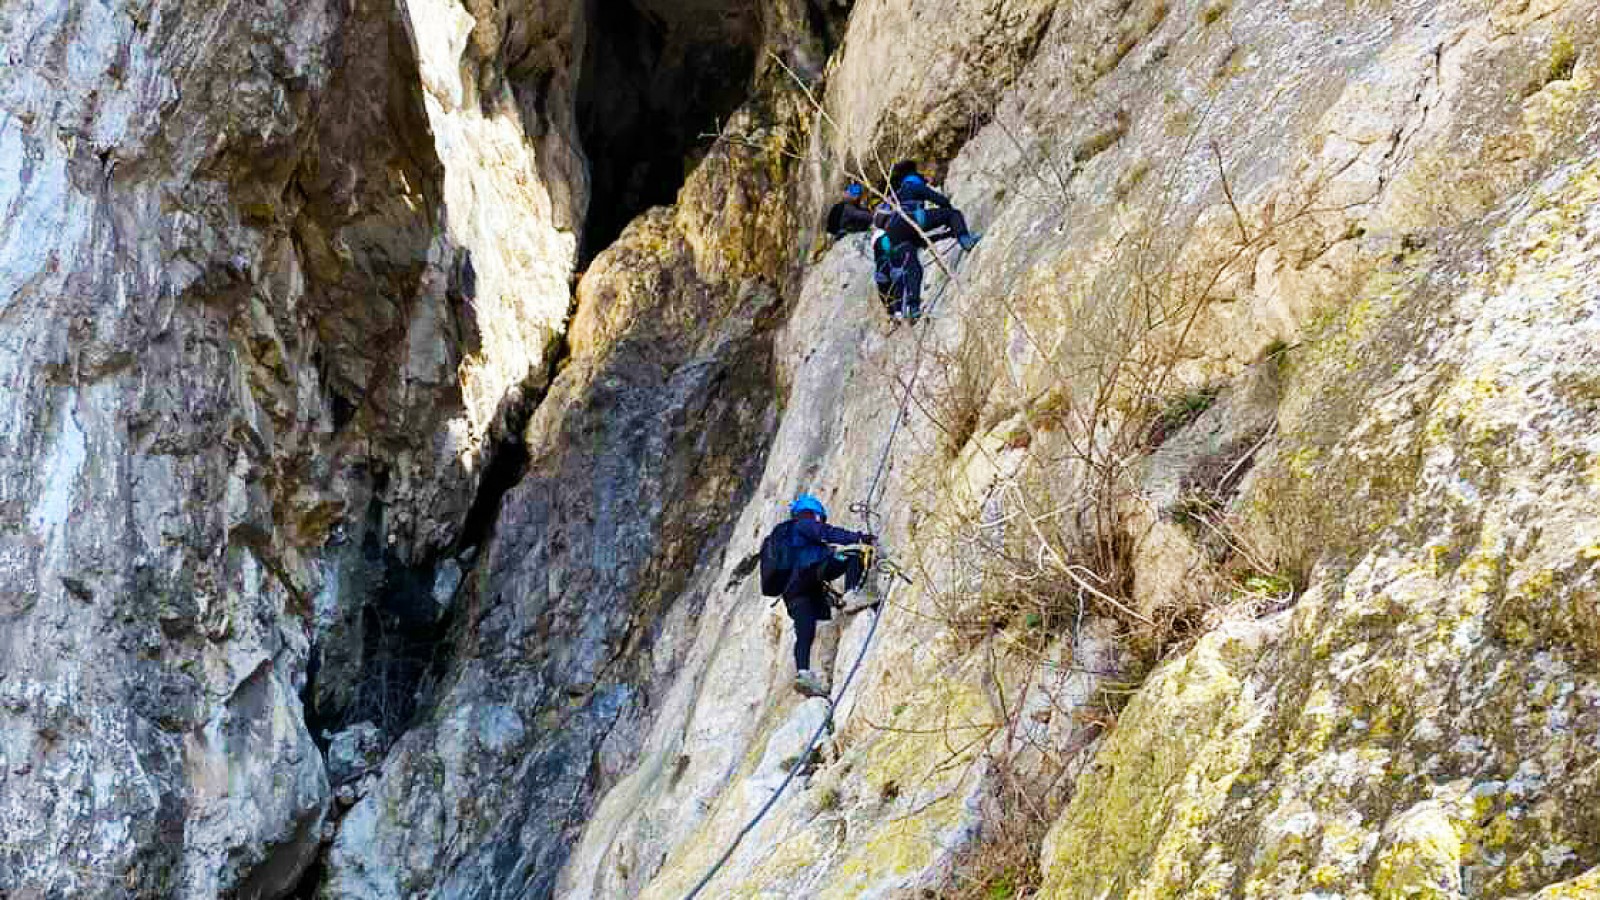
[(251, 315), (1421, 722), (1308, 193), (1240, 475), (653, 431)]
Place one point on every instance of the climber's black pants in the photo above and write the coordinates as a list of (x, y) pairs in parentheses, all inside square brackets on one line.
[(938, 224), (935, 223), (810, 604), (911, 286), (806, 610), (934, 219)]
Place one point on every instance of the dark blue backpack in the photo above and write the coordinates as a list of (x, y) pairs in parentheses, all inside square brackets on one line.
[(777, 559)]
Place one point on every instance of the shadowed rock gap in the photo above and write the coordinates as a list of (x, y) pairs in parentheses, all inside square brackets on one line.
[(509, 458), (657, 78), (407, 633), (389, 639), (405, 626)]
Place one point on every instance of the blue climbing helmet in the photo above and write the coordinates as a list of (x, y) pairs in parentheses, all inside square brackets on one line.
[(853, 191), (808, 503), (900, 171)]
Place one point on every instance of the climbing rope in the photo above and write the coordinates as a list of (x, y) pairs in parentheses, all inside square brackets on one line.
[(805, 755), (867, 509)]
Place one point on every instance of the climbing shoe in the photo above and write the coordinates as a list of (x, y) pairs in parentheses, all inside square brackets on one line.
[(968, 241), (859, 601), (809, 684)]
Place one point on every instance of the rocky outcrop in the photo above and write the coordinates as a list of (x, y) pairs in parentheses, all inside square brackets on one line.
[(922, 78), (1128, 174), (250, 318), (1240, 475), (1420, 724), (652, 432)]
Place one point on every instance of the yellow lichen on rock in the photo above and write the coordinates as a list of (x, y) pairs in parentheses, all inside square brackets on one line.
[(898, 848), (1584, 887), (1414, 731), (1422, 858), (1169, 767)]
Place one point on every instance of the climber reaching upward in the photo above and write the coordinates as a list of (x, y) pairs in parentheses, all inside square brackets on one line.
[(920, 210), (798, 559), (913, 215)]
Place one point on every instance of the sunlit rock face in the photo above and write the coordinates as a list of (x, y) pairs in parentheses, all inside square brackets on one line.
[(351, 547), (1413, 193), (1422, 722), (252, 320)]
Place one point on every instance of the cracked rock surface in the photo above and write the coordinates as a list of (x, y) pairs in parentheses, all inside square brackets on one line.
[(245, 318), (294, 361)]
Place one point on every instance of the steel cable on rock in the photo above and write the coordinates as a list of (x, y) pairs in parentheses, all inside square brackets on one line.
[(867, 509)]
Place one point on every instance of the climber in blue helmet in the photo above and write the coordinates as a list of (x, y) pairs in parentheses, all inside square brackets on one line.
[(849, 215), (813, 562), (914, 214)]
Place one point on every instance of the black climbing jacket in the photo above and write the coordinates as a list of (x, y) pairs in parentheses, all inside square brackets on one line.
[(847, 218), (915, 194), (914, 198), (794, 548)]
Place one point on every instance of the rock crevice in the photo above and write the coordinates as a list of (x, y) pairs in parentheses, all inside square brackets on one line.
[(351, 546)]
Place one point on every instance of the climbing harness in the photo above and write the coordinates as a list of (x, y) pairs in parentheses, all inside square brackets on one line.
[(867, 509), (891, 269)]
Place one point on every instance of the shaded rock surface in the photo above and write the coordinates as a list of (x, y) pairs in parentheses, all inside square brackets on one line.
[(250, 321), (654, 429), (1241, 474)]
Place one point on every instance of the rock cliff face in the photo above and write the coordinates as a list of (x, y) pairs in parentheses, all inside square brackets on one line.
[(654, 429), (257, 333), (1242, 475)]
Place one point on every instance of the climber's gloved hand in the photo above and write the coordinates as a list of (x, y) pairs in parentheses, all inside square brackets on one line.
[(869, 539)]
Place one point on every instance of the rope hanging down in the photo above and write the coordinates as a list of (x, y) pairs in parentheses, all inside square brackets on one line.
[(867, 509)]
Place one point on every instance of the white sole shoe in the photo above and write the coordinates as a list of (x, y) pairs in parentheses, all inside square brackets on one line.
[(810, 685)]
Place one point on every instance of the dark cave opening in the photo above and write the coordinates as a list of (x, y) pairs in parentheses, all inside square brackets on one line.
[(393, 648), (399, 640), (402, 642), (394, 642), (658, 77)]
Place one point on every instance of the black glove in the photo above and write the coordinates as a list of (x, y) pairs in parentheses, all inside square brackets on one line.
[(869, 539)]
